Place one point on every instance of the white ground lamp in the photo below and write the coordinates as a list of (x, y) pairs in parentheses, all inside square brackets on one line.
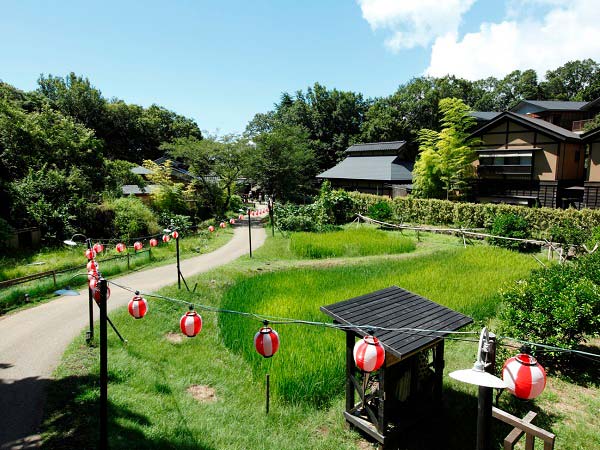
[(486, 382)]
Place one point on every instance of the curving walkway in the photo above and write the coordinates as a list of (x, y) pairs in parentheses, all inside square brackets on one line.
[(32, 341)]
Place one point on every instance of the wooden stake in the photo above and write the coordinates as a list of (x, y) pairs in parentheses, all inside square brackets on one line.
[(267, 394)]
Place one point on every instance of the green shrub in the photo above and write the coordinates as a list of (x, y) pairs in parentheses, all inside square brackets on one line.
[(510, 225), (175, 221), (479, 215), (381, 211), (133, 218), (558, 305), (6, 232), (567, 232), (290, 217), (337, 207), (236, 203)]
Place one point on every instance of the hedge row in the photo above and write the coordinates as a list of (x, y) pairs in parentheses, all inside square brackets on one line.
[(478, 215)]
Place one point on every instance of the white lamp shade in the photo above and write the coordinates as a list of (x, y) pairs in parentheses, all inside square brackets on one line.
[(70, 242), (478, 378)]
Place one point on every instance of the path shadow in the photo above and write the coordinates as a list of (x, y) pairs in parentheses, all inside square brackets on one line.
[(454, 426), (70, 419)]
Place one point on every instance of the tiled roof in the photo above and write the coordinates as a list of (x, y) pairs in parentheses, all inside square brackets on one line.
[(376, 146), (134, 189), (378, 168), (553, 105)]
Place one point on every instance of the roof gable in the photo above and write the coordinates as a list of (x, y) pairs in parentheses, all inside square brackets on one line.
[(389, 168), (530, 122)]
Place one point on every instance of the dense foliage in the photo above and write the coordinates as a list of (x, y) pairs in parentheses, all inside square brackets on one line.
[(64, 148), (445, 161), (558, 305), (543, 222), (510, 225)]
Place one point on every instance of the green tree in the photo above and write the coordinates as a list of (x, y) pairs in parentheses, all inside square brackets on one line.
[(282, 163), (330, 117), (576, 81), (446, 157), (216, 162)]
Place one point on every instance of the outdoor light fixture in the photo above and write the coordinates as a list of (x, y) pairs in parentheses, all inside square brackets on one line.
[(71, 242), (486, 381), (477, 375)]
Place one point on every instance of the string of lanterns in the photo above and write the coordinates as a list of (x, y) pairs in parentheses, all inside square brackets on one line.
[(523, 375)]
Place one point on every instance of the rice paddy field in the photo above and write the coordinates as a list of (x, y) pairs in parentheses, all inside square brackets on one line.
[(207, 392), (349, 242)]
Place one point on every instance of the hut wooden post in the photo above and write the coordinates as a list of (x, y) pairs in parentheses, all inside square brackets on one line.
[(438, 365), (350, 369)]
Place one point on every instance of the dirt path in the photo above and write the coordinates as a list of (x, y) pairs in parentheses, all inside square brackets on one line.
[(32, 341)]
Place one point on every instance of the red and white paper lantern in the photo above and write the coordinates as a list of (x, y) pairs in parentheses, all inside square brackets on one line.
[(90, 253), (175, 234), (92, 274), (138, 306), (92, 265), (153, 242), (266, 342), (222, 224), (191, 324), (93, 283), (241, 217), (232, 221), (138, 246), (166, 238), (369, 354), (524, 377), (98, 247), (120, 247), (211, 229), (96, 293)]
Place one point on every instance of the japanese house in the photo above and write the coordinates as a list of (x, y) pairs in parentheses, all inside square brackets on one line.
[(380, 168)]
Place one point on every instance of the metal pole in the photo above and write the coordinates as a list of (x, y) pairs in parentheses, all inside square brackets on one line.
[(103, 367), (268, 391), (178, 268), (250, 233), (90, 333), (272, 216), (485, 401)]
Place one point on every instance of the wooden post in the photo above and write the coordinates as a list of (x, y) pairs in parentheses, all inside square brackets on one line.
[(350, 369), (250, 233), (438, 365), (382, 425), (128, 262), (54, 277), (103, 367), (268, 389), (485, 401)]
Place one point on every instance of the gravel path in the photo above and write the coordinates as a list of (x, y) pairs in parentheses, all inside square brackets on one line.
[(32, 341)]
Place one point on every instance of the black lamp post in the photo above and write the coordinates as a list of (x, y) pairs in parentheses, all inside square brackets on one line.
[(249, 229), (89, 335)]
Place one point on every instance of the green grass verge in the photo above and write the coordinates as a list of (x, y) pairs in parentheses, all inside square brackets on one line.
[(349, 242), (42, 289)]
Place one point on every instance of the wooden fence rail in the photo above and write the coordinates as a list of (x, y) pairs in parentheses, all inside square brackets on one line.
[(52, 273), (523, 426)]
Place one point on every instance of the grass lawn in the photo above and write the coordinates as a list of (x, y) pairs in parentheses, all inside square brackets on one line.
[(150, 406), (67, 257)]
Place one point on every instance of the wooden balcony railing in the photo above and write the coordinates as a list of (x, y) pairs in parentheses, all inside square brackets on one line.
[(503, 170)]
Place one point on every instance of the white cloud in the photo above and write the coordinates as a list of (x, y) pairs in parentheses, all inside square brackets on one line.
[(413, 23), (565, 31)]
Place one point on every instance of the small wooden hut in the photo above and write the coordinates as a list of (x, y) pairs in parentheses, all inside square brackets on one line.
[(409, 384)]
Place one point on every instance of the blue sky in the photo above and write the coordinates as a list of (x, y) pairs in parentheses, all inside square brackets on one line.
[(221, 62)]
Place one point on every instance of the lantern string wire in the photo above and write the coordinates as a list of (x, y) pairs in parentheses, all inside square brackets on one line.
[(275, 320)]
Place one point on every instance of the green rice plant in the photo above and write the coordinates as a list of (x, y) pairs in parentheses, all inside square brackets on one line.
[(361, 241), (309, 367)]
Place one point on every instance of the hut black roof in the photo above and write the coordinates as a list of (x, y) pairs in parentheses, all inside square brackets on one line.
[(395, 307)]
